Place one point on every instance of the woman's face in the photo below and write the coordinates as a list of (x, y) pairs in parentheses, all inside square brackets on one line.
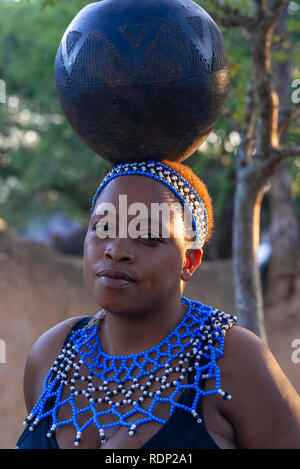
[(155, 265)]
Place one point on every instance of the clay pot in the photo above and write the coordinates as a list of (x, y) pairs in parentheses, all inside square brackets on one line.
[(142, 79)]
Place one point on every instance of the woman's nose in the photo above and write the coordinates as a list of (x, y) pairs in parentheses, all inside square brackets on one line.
[(118, 252)]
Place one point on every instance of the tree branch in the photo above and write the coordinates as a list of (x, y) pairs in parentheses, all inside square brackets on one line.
[(287, 118), (274, 10), (232, 17), (247, 146), (262, 84), (259, 7), (274, 5), (288, 152), (232, 120), (264, 167), (250, 115)]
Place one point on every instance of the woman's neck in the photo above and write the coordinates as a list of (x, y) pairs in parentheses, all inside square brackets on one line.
[(126, 335)]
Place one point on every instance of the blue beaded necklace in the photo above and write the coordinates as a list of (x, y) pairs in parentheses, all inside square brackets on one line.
[(129, 381)]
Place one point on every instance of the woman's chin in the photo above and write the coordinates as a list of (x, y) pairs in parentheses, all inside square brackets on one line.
[(112, 302)]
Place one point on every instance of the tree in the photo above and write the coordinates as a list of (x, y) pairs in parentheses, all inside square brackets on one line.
[(284, 228), (260, 152), (44, 166)]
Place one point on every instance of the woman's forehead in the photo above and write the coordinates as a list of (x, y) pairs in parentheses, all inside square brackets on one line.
[(136, 188), (127, 196)]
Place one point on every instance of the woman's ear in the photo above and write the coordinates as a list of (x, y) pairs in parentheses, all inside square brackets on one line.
[(192, 260)]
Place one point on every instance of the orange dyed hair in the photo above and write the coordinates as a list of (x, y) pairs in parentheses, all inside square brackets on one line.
[(200, 187)]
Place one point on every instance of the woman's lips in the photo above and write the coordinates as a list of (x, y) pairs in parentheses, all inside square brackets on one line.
[(115, 278)]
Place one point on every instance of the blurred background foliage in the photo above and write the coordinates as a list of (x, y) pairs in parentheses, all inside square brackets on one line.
[(46, 168)]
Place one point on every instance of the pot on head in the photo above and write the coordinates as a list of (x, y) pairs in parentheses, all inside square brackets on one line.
[(142, 79)]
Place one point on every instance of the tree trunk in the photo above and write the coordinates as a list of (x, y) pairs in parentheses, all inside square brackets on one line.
[(246, 222), (284, 230), (282, 270), (258, 156)]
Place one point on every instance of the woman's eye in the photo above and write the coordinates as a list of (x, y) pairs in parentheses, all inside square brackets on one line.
[(101, 227), (151, 236)]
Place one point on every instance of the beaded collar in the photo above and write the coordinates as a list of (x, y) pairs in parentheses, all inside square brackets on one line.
[(174, 181), (134, 383)]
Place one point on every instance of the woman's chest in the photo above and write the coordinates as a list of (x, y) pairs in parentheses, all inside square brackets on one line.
[(110, 415)]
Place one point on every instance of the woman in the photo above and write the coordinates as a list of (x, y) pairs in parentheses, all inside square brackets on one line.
[(153, 369)]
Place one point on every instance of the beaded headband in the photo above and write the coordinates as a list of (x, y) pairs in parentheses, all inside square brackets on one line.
[(175, 182)]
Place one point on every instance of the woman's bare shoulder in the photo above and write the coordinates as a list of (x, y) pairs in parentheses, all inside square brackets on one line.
[(41, 356), (265, 407)]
